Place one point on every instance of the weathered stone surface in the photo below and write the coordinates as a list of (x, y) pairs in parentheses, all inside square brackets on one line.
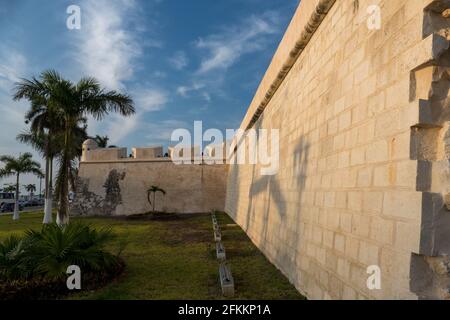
[(363, 118), (120, 187)]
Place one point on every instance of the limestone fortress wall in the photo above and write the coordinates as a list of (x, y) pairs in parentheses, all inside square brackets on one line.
[(363, 179), (111, 183), (364, 173)]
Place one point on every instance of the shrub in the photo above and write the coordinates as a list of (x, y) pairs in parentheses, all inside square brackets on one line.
[(15, 263), (46, 254)]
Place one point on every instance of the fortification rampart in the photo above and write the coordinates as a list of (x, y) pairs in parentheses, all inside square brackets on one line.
[(364, 157), (110, 183)]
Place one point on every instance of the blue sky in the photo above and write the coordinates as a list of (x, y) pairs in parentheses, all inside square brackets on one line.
[(180, 60)]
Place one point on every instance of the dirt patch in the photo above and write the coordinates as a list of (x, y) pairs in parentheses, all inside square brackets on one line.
[(158, 216), (153, 217), (182, 231)]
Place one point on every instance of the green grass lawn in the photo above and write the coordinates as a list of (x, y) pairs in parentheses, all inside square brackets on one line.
[(175, 259)]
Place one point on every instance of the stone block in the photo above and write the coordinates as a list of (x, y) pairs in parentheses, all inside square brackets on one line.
[(357, 156), (403, 204), (226, 280), (361, 225), (220, 251), (355, 200), (339, 242), (377, 152), (373, 202), (217, 236), (368, 253)]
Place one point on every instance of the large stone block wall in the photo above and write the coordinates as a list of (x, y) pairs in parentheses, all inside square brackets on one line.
[(120, 187), (364, 168)]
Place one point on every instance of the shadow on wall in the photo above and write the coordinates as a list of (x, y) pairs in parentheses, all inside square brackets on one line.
[(267, 189), (233, 193)]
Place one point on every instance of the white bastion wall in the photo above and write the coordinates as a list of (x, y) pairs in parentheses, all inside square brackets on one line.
[(363, 157)]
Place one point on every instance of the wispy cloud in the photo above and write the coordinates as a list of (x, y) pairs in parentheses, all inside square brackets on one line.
[(185, 90), (107, 48), (206, 96), (12, 67), (200, 88), (146, 100), (225, 48), (161, 132), (179, 60)]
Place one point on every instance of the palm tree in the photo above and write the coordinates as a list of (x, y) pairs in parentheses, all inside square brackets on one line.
[(102, 142), (30, 188), (59, 109), (74, 103), (10, 188), (153, 190), (44, 120), (48, 146), (15, 167)]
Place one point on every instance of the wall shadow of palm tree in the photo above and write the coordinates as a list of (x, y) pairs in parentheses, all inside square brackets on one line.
[(273, 196)]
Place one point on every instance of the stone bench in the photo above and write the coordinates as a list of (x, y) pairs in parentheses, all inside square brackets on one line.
[(226, 280), (220, 251), (217, 235)]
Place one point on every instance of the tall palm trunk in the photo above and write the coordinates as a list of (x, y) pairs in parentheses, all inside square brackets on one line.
[(48, 191), (16, 201), (63, 210)]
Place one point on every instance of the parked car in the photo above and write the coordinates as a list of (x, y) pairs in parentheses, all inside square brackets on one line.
[(31, 203), (9, 207), (6, 197)]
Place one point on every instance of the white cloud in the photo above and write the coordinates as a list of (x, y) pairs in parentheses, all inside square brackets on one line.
[(146, 100), (226, 47), (106, 48), (179, 60), (121, 127), (185, 90), (13, 66), (161, 131), (206, 96)]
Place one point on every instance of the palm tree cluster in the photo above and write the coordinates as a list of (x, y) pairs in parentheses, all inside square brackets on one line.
[(57, 122), (15, 167)]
